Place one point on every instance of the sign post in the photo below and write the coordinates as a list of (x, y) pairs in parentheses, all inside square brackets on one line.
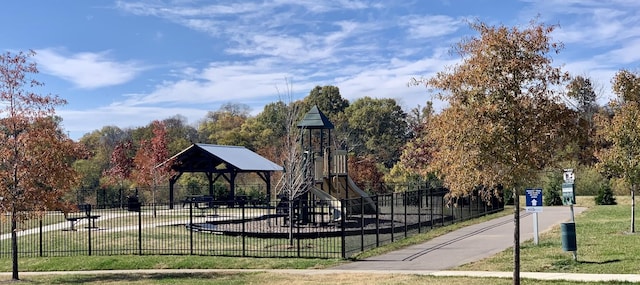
[(569, 198), (533, 204)]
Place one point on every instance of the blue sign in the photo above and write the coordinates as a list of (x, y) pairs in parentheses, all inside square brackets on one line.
[(533, 200)]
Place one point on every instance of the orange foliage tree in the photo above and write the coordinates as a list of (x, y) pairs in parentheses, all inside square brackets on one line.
[(505, 118), (35, 169), (148, 168), (121, 165)]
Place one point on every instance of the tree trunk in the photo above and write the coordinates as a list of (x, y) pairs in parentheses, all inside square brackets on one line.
[(633, 208), (291, 222), (14, 245), (516, 237)]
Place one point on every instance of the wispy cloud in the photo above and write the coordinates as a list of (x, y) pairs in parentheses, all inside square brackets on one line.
[(87, 70), (431, 26)]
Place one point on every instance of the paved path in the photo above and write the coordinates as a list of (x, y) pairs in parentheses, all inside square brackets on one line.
[(462, 246)]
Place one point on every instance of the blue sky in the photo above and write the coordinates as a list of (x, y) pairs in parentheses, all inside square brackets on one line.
[(126, 63)]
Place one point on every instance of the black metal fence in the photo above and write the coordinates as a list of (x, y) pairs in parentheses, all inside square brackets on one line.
[(199, 226)]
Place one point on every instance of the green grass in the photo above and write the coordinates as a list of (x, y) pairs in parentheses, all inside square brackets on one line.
[(162, 262), (604, 246)]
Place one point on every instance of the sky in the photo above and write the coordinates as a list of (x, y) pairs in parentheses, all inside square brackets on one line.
[(127, 63)]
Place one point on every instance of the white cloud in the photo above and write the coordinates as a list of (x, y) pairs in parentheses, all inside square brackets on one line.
[(87, 70), (80, 122), (219, 82), (431, 26)]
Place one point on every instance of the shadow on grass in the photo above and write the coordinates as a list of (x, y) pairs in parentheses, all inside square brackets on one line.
[(572, 263), (599, 262)]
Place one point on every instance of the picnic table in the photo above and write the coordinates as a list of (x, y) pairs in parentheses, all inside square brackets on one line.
[(201, 202), (73, 220)]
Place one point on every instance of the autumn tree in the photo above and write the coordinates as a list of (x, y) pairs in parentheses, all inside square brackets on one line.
[(224, 125), (365, 172), (35, 171), (266, 130), (149, 170), (99, 145), (416, 154), (621, 134), (504, 117), (121, 165)]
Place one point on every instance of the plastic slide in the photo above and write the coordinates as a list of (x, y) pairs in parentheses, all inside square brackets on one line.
[(334, 204)]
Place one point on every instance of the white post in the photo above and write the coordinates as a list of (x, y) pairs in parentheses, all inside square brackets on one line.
[(535, 228)]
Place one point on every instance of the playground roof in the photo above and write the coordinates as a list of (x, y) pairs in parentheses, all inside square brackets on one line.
[(220, 158), (315, 119)]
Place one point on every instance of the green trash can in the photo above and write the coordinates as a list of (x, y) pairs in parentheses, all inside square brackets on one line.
[(568, 232)]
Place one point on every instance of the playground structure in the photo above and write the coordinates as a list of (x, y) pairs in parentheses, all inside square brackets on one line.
[(330, 182)]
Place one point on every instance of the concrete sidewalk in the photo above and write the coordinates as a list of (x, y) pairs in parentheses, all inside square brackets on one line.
[(462, 246), (480, 274)]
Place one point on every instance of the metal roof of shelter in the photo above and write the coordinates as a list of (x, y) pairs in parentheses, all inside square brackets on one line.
[(218, 158), (315, 119), (223, 161)]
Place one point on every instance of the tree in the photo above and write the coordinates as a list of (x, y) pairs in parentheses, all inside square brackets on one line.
[(35, 171), (504, 117), (121, 165), (328, 99), (622, 135), (297, 178), (223, 126), (266, 130), (365, 173), (377, 128), (100, 145), (149, 169), (180, 135), (581, 91)]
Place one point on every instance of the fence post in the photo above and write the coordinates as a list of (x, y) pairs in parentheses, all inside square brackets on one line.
[(405, 197), (442, 209), (361, 223), (342, 231), (393, 226), (244, 234), (191, 227), (88, 213), (419, 212), (41, 232), (377, 220), (430, 193), (140, 231)]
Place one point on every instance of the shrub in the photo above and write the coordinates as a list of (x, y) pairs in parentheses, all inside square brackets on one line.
[(605, 196), (552, 193), (588, 181)]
